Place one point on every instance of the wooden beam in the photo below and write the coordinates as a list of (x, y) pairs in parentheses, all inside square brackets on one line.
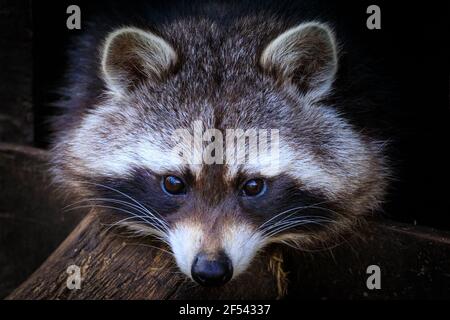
[(116, 267)]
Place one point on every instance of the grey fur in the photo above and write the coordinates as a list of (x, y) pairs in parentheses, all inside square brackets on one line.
[(218, 78)]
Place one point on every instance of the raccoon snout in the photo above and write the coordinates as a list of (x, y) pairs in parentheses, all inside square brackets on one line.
[(212, 272)]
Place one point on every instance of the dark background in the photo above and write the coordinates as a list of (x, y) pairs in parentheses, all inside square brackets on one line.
[(409, 55)]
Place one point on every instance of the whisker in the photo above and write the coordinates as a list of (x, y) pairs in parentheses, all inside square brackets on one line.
[(125, 195), (155, 233), (150, 246), (293, 244), (286, 219), (108, 200), (289, 210), (130, 205), (122, 210), (294, 224), (118, 223)]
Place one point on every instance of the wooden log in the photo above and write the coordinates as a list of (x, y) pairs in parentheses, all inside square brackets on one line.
[(414, 262), (116, 267), (31, 223)]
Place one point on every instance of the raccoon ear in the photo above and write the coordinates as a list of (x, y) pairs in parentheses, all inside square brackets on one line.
[(131, 55), (305, 55)]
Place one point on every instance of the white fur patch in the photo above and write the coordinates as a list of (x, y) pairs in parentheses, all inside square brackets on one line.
[(186, 242), (299, 164), (241, 243), (114, 150)]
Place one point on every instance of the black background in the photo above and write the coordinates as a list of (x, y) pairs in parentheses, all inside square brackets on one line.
[(411, 50)]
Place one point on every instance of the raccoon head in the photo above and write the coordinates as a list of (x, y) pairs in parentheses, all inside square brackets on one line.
[(320, 175)]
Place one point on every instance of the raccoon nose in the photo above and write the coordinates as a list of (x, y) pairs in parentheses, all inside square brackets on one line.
[(211, 272)]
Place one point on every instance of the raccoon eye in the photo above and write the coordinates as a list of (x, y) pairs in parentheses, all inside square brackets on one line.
[(254, 187), (173, 185)]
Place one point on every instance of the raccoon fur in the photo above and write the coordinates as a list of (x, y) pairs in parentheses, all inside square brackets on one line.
[(133, 83)]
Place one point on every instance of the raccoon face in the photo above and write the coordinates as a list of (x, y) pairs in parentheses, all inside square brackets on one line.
[(318, 178)]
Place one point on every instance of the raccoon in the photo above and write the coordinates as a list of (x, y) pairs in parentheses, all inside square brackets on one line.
[(140, 83)]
